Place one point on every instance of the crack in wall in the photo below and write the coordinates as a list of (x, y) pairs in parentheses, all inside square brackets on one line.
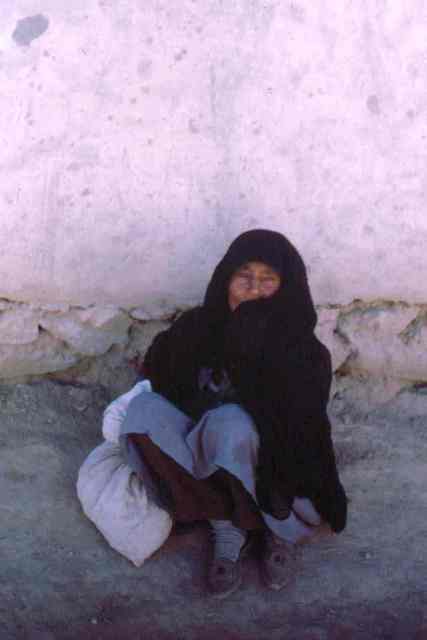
[(29, 28)]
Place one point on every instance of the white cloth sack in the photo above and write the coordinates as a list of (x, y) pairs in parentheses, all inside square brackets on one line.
[(114, 499), (115, 413)]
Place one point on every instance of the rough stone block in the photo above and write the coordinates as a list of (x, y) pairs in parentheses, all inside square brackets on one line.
[(53, 308), (140, 313), (326, 331), (5, 304), (355, 397), (19, 325), (44, 355), (413, 350), (108, 318), (379, 320), (159, 311), (383, 343), (90, 332), (142, 335)]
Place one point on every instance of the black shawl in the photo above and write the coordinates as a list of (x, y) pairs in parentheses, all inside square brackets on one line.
[(281, 373)]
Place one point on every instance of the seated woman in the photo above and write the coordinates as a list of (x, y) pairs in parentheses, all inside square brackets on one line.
[(236, 431)]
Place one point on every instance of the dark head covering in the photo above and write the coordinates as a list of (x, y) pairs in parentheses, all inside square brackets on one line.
[(280, 372), (292, 300)]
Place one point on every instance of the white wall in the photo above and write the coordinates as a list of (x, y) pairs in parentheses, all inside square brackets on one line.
[(138, 138)]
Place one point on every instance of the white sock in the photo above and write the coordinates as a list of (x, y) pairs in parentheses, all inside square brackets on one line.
[(291, 530), (228, 539)]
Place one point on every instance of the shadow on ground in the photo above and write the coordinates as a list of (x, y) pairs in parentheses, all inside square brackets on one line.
[(60, 580)]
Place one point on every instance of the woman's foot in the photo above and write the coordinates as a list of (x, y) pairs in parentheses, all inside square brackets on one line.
[(277, 562), (224, 574), (224, 577)]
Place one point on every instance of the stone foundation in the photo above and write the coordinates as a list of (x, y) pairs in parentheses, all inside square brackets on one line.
[(378, 349)]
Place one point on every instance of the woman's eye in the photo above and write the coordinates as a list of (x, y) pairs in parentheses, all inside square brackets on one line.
[(244, 276), (269, 282)]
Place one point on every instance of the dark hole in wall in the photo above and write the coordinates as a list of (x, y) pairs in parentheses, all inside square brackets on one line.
[(29, 28)]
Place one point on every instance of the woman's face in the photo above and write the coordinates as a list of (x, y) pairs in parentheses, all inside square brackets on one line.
[(251, 281)]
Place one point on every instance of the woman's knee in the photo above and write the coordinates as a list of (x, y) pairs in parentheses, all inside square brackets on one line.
[(233, 422), (151, 402), (151, 410)]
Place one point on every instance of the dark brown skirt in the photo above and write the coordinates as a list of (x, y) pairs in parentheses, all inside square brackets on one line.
[(221, 496)]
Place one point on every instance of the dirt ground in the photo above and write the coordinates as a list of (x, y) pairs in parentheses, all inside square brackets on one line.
[(59, 580)]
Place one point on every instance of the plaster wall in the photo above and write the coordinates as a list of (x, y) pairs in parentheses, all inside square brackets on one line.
[(138, 138)]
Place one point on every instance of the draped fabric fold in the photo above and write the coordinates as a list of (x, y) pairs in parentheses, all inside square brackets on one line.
[(280, 371)]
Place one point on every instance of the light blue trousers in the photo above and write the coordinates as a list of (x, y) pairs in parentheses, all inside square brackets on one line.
[(225, 437)]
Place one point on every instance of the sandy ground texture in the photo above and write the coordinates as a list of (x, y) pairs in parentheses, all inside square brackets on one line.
[(59, 580)]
